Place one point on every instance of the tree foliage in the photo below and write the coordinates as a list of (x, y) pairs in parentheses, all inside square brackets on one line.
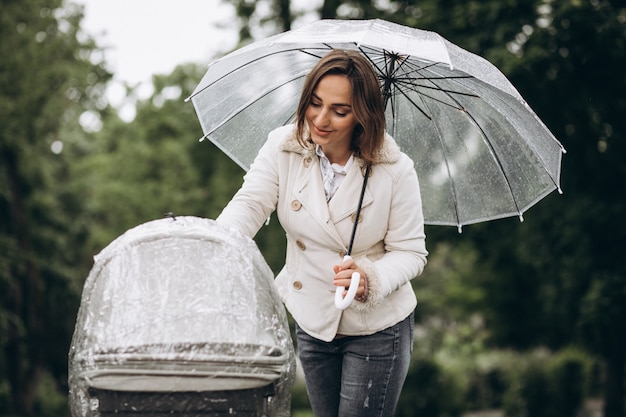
[(155, 165), (65, 192), (46, 81)]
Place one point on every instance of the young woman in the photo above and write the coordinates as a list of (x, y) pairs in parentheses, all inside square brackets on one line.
[(355, 360)]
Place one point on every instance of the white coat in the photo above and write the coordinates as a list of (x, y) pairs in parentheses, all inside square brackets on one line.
[(389, 244)]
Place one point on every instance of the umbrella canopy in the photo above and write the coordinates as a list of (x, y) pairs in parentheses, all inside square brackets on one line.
[(480, 152)]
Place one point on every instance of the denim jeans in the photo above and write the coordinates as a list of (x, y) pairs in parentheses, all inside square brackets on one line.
[(356, 376)]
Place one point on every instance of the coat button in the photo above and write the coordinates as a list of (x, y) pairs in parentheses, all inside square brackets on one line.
[(301, 244), (354, 217), (297, 285), (307, 162), (296, 205)]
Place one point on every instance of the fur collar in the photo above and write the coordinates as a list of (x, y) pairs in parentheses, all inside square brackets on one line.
[(388, 154)]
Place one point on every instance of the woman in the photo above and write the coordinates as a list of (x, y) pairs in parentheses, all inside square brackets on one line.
[(355, 361)]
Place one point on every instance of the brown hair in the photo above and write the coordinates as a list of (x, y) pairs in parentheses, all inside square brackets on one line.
[(367, 102)]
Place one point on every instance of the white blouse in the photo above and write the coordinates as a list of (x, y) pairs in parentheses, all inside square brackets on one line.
[(332, 174)]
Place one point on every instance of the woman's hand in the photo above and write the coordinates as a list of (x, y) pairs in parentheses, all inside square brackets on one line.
[(343, 275)]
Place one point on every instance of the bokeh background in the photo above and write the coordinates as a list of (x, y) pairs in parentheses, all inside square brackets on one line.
[(515, 319)]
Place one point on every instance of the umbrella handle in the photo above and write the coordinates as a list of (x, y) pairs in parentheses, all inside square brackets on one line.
[(340, 302)]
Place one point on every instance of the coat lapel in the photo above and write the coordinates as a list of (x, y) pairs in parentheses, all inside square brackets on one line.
[(346, 200), (309, 190)]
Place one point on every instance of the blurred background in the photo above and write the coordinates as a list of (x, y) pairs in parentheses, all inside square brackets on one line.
[(515, 319)]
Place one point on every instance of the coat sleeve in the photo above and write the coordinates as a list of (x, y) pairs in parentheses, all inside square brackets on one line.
[(257, 198), (404, 243)]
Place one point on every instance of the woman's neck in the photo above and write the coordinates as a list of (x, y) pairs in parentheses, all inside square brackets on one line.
[(337, 156)]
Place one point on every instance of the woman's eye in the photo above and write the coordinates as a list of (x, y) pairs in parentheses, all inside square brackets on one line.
[(314, 104)]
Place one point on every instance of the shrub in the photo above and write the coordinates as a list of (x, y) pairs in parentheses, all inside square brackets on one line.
[(535, 392), (429, 391), (548, 386), (488, 376), (50, 400), (486, 388), (299, 399), (569, 371)]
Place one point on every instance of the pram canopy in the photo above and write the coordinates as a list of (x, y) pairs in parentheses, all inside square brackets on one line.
[(180, 305)]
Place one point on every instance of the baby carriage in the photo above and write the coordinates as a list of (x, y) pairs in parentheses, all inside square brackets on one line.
[(179, 316)]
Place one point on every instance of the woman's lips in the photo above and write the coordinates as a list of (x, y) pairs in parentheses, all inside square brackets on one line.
[(321, 132)]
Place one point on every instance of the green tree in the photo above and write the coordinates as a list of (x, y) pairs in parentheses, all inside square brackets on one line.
[(48, 78), (568, 252), (133, 172), (137, 171), (254, 15)]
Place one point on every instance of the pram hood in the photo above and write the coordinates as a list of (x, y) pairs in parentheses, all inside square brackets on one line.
[(180, 305)]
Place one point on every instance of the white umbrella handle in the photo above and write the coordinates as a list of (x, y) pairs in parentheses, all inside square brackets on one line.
[(341, 302)]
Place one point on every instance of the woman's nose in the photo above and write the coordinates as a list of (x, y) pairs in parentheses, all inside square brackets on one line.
[(321, 118)]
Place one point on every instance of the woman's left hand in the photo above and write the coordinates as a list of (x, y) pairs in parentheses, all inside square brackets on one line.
[(343, 275)]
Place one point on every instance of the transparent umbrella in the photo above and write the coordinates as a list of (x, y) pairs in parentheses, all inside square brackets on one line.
[(480, 151)]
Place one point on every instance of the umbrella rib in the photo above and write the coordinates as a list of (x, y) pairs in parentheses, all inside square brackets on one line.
[(416, 105), (305, 51), (394, 84), (445, 157), (195, 93), (406, 82), (539, 157), (498, 161), (492, 150), (459, 107), (475, 122), (384, 76), (408, 85), (290, 118), (241, 109), (400, 84), (447, 163), (501, 168), (449, 94)]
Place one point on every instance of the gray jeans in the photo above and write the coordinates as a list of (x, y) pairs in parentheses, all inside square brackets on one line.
[(357, 376)]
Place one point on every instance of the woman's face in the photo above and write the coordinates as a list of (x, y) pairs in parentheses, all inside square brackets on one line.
[(330, 117)]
